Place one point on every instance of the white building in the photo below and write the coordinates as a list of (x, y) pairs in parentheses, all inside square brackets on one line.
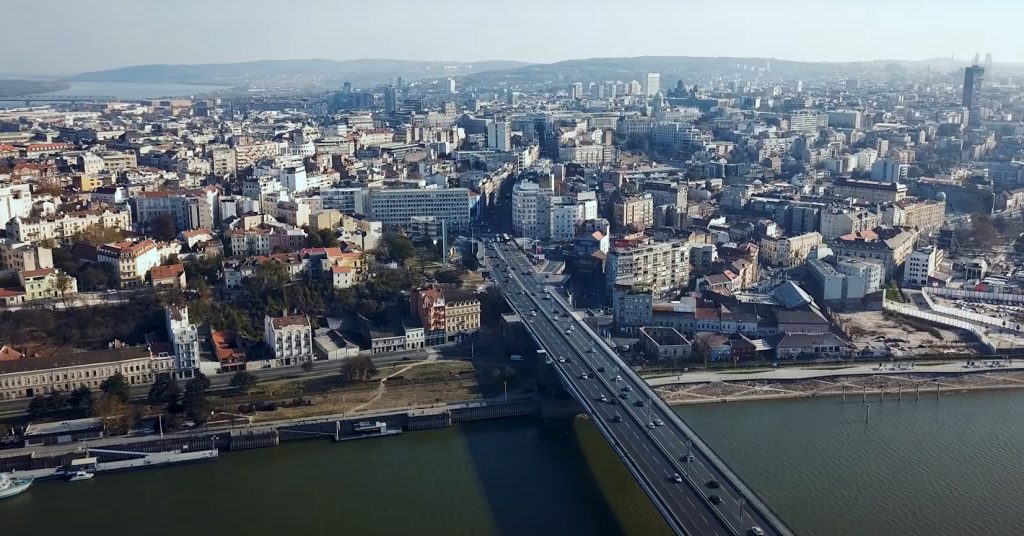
[(15, 202), (131, 260), (290, 339), (920, 265), (863, 276), (405, 207), (889, 170), (90, 163), (499, 136), (184, 339), (349, 200), (653, 85), (65, 226)]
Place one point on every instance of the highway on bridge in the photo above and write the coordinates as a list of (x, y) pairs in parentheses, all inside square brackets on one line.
[(691, 487)]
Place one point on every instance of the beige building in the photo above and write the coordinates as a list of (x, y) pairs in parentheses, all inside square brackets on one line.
[(26, 377), (447, 314), (870, 192), (290, 339), (634, 213), (47, 284), (62, 227), (836, 222), (17, 256), (131, 260), (788, 252), (662, 266), (927, 216), (889, 245)]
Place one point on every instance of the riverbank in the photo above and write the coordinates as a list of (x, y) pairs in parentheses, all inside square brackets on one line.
[(879, 386)]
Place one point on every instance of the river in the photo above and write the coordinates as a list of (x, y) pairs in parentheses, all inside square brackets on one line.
[(134, 91), (917, 468)]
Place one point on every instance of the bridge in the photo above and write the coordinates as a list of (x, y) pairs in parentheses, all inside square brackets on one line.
[(29, 99), (691, 487)]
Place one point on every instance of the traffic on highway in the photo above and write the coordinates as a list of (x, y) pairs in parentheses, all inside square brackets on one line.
[(691, 488)]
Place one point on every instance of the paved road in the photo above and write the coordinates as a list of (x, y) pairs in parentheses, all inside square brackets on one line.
[(652, 452)]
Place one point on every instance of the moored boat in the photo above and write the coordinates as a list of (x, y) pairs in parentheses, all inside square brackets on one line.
[(11, 486)]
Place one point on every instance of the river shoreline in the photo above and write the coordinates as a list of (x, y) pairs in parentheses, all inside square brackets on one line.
[(880, 387)]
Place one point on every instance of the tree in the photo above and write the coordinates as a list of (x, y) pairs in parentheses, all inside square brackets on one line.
[(81, 400), (395, 247), (194, 402), (450, 276), (307, 366), (63, 285), (328, 238), (117, 387), (165, 391), (97, 235), (163, 227), (116, 415), (243, 381), (313, 239), (470, 261)]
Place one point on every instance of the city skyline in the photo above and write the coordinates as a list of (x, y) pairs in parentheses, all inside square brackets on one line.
[(226, 33)]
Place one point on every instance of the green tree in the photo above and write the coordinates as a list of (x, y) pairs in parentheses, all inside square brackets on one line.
[(450, 276), (63, 285), (117, 387), (194, 401), (307, 366), (328, 238), (81, 400), (165, 391), (243, 381), (395, 247), (163, 227)]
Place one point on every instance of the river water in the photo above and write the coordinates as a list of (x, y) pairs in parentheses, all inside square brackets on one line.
[(917, 468), (132, 91)]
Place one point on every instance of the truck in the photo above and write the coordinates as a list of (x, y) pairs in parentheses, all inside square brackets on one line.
[(516, 357)]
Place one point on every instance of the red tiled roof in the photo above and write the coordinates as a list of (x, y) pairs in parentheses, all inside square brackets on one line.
[(11, 292), (37, 273), (9, 354), (172, 271)]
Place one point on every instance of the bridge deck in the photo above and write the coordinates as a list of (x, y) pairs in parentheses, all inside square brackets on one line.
[(653, 453)]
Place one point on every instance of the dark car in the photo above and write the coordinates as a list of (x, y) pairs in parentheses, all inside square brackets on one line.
[(715, 499), (713, 484), (639, 403), (600, 369)]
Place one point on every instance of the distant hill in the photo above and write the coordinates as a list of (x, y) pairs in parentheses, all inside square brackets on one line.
[(673, 68), (293, 72)]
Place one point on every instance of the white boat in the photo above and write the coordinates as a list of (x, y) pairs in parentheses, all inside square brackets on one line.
[(10, 486), (79, 475)]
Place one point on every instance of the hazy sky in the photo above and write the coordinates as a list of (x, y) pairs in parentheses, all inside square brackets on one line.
[(70, 36)]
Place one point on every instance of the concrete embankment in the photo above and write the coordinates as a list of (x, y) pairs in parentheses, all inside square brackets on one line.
[(49, 462)]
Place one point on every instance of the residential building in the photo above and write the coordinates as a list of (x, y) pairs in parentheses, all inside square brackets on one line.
[(662, 266), (290, 339), (15, 202), (664, 344), (889, 170), (890, 245), (632, 307), (46, 283), (28, 377), (62, 227), (131, 260), (974, 81), (447, 314), (863, 276), (653, 84), (634, 213), (499, 136), (788, 252), (927, 216), (248, 242), (920, 265), (190, 209), (839, 221), (22, 256), (172, 275), (184, 338)]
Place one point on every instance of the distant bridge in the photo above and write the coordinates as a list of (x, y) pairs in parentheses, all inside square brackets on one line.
[(29, 99)]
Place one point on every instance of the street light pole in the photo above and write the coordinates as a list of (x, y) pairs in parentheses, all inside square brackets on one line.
[(505, 386)]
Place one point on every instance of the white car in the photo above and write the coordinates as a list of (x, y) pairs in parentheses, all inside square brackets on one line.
[(756, 531)]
